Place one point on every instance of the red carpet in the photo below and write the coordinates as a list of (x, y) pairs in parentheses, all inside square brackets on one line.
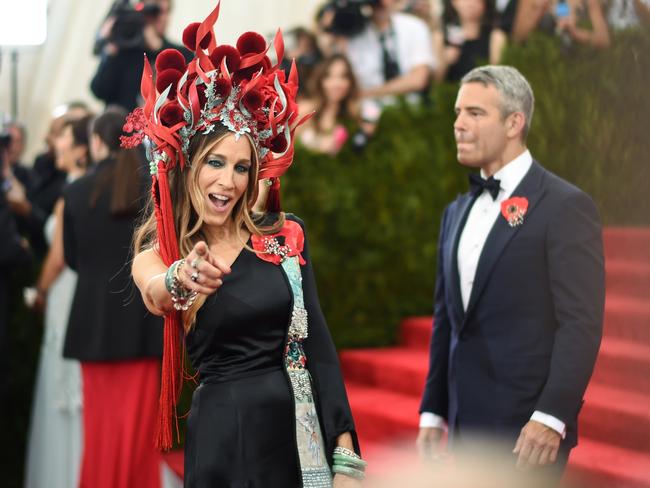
[(614, 451)]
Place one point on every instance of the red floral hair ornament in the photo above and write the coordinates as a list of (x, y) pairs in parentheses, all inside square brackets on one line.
[(237, 87)]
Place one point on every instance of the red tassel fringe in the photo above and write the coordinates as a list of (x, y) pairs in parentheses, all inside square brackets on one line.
[(273, 200), (172, 367)]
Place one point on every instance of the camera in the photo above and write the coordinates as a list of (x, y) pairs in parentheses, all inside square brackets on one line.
[(5, 134), (127, 31), (5, 139), (350, 17)]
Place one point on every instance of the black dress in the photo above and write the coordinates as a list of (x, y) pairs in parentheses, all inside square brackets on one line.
[(108, 319), (473, 53), (242, 424)]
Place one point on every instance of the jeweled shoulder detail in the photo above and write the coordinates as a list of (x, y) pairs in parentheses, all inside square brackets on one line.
[(276, 248)]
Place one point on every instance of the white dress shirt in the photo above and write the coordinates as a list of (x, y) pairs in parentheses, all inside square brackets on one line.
[(481, 219), (408, 38)]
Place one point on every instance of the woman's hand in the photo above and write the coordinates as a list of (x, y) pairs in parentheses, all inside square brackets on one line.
[(343, 481), (202, 271), (17, 198)]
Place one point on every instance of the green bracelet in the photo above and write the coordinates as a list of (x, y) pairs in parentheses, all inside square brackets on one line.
[(169, 276), (351, 472), (347, 464), (349, 461)]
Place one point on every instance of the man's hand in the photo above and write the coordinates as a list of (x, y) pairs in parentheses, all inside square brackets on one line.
[(428, 443), (537, 445)]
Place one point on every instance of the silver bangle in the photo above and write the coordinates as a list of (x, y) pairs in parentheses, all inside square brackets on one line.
[(346, 452)]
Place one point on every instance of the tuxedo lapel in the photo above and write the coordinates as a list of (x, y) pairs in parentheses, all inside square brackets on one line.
[(451, 258), (501, 233)]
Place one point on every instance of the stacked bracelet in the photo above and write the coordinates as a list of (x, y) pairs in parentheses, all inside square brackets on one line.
[(182, 297), (348, 463)]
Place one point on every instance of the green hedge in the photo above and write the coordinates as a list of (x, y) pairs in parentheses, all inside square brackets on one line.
[(373, 217)]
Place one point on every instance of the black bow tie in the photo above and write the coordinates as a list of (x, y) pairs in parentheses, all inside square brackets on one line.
[(477, 184)]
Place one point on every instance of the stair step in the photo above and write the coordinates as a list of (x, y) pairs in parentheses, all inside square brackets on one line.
[(618, 417), (628, 278), (396, 369), (415, 332), (383, 415), (596, 464), (623, 364), (627, 318), (631, 243)]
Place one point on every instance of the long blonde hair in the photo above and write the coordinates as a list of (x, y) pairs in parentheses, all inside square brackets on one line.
[(189, 207)]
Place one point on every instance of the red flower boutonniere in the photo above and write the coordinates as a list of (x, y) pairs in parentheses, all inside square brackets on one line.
[(514, 209), (275, 248)]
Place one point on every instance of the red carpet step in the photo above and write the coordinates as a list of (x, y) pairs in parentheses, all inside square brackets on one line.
[(629, 278), (628, 243), (617, 416), (601, 465)]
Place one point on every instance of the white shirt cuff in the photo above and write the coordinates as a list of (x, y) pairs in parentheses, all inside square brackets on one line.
[(431, 420), (549, 421)]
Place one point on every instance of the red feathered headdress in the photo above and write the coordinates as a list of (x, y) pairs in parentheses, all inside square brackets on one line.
[(236, 86)]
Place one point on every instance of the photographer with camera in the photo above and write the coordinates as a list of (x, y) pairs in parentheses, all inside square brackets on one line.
[(125, 36), (390, 51)]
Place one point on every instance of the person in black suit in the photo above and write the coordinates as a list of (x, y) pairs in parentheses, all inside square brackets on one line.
[(520, 288), (110, 331)]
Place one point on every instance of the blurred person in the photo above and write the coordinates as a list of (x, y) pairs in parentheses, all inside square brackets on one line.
[(469, 37), (54, 444), (44, 170), (306, 53), (109, 330), (504, 14), (15, 153), (237, 287), (519, 289), (430, 11), (335, 105), (392, 55), (564, 18), (628, 14), (117, 79), (14, 253), (34, 206)]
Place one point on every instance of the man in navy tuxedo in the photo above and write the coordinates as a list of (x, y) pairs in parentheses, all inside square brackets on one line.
[(520, 288)]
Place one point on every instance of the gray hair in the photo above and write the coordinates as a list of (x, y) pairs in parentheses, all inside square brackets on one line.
[(516, 93)]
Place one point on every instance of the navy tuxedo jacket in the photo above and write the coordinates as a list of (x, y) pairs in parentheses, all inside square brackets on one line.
[(531, 332)]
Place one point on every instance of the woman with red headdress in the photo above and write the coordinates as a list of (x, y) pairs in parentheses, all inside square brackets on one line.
[(236, 285)]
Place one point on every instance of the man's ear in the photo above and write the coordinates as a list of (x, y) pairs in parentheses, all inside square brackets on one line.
[(515, 123)]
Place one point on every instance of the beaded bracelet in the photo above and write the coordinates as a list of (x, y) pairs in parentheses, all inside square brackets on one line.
[(169, 275), (346, 452), (182, 297)]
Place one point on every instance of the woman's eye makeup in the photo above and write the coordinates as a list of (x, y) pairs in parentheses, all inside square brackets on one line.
[(215, 162), (220, 163)]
